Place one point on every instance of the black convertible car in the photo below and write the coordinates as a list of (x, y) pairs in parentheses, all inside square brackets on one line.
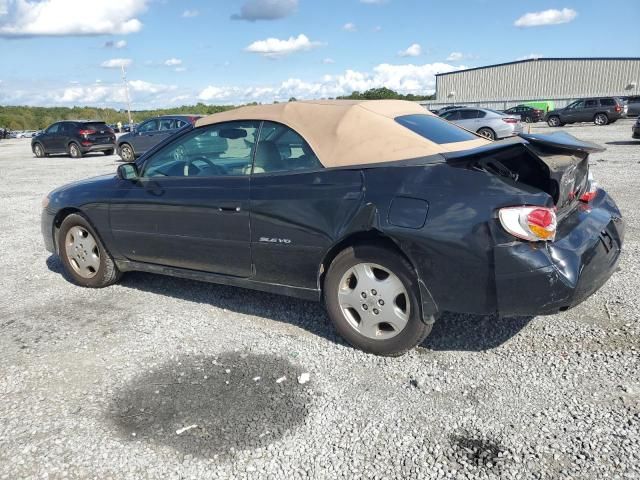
[(384, 212)]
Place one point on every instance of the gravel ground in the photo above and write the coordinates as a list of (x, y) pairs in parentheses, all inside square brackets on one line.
[(165, 378)]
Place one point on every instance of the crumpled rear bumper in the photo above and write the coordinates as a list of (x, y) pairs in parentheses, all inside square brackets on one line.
[(545, 278)]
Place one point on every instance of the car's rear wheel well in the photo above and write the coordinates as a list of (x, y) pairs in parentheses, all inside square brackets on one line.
[(372, 237)]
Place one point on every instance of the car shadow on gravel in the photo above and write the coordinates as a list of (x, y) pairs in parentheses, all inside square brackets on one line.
[(624, 142), (450, 332), (210, 406), (473, 332)]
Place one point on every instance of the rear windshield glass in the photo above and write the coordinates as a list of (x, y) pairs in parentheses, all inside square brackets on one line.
[(94, 125), (435, 129)]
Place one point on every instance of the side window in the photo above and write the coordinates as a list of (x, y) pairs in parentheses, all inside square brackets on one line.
[(481, 114), (468, 114), (280, 149), (167, 124), (607, 102), (150, 126), (210, 151), (53, 128), (180, 123), (576, 105), (451, 116), (591, 103)]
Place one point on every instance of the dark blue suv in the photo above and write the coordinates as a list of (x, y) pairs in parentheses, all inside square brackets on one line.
[(151, 132)]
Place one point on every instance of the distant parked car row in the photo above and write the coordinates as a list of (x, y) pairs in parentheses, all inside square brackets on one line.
[(78, 137)]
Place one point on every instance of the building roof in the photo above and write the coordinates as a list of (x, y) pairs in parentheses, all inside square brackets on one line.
[(541, 59), (348, 132)]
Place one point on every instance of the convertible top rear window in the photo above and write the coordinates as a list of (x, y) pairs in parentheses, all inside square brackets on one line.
[(435, 129)]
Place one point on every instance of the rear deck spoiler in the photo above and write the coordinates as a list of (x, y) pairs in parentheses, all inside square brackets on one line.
[(554, 141)]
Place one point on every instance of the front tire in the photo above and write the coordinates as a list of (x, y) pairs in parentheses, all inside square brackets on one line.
[(86, 261), (371, 296), (74, 151), (600, 119)]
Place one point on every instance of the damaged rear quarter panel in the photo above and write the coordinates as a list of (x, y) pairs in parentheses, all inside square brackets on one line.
[(453, 252)]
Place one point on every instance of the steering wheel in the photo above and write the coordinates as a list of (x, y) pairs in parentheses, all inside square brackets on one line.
[(217, 169)]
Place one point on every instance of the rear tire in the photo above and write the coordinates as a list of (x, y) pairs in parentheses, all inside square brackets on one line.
[(371, 296), (601, 119), (85, 259), (74, 150), (554, 121), (487, 133), (126, 153)]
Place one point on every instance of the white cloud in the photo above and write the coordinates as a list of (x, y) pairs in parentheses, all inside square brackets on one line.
[(531, 56), (173, 62), (328, 61), (115, 44), (24, 18), (180, 69), (455, 56), (116, 63), (274, 47), (546, 17), (414, 50), (4, 7), (349, 27), (401, 78), (144, 95), (190, 13), (253, 10)]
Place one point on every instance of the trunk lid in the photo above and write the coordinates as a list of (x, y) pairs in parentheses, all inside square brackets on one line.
[(556, 163)]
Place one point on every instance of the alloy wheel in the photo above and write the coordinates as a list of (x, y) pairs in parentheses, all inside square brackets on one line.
[(374, 301), (127, 153), (82, 251), (601, 119)]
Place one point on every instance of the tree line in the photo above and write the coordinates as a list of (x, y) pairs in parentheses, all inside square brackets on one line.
[(37, 118)]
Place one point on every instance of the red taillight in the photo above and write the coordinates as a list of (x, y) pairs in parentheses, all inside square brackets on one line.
[(618, 108), (510, 120), (87, 132), (529, 223), (592, 190), (86, 143)]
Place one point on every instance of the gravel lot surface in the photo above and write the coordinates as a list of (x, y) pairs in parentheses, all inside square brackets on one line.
[(165, 378)]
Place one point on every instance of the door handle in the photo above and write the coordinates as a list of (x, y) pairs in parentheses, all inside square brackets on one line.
[(229, 209)]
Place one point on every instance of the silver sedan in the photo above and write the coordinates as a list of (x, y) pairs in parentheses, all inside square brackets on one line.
[(486, 122)]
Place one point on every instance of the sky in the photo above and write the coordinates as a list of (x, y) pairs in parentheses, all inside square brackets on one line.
[(176, 52)]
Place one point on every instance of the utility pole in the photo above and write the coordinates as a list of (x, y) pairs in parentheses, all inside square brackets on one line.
[(126, 91)]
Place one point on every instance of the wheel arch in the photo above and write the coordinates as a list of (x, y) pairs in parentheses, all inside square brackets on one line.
[(378, 238)]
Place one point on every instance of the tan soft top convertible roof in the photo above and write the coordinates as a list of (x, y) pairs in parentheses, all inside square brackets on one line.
[(349, 132)]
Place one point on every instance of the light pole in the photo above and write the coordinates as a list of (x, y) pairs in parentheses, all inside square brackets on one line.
[(126, 91)]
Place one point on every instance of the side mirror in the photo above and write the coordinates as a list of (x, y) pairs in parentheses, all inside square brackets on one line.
[(128, 171)]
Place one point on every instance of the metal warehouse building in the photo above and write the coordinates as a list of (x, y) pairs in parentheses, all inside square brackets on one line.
[(558, 79)]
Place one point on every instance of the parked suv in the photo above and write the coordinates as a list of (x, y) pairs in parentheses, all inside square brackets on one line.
[(148, 134), (600, 111), (75, 138)]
